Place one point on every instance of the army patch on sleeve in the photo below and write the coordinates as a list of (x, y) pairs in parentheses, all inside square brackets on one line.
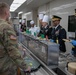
[(12, 37)]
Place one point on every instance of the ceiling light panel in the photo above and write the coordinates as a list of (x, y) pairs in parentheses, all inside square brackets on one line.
[(20, 12), (19, 1), (16, 4)]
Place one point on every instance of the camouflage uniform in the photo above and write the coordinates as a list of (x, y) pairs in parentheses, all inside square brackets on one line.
[(10, 57)]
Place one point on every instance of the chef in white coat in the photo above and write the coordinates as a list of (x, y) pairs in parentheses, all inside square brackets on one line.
[(45, 25), (33, 29)]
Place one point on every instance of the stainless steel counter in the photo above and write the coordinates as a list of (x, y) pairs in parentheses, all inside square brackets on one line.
[(46, 51), (51, 69), (43, 51), (44, 66)]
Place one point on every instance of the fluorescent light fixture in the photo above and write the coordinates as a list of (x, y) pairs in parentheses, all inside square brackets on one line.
[(16, 4), (28, 13), (20, 12)]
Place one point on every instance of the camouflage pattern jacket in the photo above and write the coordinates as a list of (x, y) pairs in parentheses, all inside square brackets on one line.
[(10, 57)]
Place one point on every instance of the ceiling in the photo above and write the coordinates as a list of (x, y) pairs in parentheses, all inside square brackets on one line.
[(7, 1), (28, 5), (31, 4)]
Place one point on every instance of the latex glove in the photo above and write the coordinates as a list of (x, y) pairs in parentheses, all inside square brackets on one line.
[(51, 40), (73, 42)]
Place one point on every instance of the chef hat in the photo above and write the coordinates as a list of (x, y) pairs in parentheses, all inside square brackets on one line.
[(41, 16), (45, 19), (32, 22)]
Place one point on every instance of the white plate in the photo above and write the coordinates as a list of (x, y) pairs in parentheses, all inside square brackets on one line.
[(68, 73)]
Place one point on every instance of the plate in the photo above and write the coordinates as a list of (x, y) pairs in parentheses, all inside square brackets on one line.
[(68, 73)]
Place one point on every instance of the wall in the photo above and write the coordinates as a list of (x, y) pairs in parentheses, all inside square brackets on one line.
[(23, 16), (34, 16), (15, 21), (13, 14), (28, 16), (31, 16)]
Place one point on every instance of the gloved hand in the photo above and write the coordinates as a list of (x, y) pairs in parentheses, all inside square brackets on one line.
[(51, 40), (73, 42)]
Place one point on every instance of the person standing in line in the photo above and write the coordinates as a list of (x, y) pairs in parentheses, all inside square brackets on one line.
[(10, 57)]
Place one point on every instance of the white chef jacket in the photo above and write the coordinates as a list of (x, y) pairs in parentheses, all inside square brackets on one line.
[(34, 30)]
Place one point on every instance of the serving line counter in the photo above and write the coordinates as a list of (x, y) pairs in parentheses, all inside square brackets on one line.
[(45, 52), (38, 68), (35, 66)]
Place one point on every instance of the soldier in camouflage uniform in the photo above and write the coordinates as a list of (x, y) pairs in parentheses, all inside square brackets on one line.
[(10, 57)]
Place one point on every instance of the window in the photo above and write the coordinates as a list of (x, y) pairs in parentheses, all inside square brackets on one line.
[(72, 23)]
